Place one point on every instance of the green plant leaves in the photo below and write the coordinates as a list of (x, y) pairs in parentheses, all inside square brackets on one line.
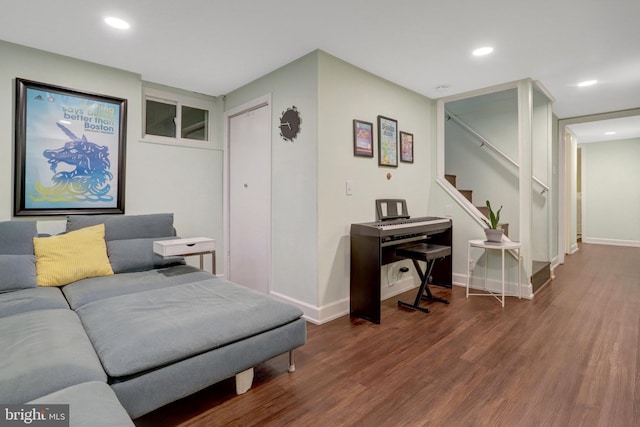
[(494, 217)]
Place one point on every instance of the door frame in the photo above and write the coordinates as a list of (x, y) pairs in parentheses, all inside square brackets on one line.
[(263, 101), (565, 199)]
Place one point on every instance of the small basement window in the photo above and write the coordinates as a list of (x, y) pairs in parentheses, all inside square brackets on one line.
[(171, 118)]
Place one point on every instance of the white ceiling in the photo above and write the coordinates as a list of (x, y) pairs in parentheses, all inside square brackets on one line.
[(216, 46), (597, 131)]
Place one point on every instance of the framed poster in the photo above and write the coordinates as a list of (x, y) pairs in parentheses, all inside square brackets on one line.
[(387, 142), (362, 138), (69, 151), (406, 147)]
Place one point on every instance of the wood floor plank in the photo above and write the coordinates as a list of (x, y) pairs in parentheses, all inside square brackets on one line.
[(570, 357)]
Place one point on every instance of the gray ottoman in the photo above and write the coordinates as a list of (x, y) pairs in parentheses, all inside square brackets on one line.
[(90, 404)]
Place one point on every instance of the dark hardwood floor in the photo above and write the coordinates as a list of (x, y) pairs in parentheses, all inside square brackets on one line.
[(570, 357)]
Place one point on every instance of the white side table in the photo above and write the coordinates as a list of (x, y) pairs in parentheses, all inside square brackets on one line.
[(187, 247), (500, 246)]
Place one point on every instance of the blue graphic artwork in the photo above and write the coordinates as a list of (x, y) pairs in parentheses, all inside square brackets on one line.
[(89, 177)]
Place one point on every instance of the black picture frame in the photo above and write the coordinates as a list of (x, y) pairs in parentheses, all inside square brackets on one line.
[(406, 147), (69, 151), (362, 138), (387, 142)]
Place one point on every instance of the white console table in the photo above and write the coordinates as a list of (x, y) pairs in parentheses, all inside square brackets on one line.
[(502, 247), (188, 247)]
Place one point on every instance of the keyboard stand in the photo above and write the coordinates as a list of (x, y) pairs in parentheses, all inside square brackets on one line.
[(429, 254)]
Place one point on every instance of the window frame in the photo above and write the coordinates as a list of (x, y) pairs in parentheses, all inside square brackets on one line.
[(179, 101)]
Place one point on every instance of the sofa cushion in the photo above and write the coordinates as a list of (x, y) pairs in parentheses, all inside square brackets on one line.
[(142, 331), (44, 351), (96, 288), (126, 227), (92, 404), (32, 299), (16, 237), (17, 272), (131, 255), (143, 393), (72, 256)]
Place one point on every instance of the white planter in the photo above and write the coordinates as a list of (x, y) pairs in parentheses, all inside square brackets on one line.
[(493, 235)]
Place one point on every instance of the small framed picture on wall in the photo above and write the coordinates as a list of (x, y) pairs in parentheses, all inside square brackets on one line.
[(387, 142), (362, 138), (406, 147)]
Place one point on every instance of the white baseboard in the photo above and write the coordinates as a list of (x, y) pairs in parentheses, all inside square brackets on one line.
[(611, 242), (329, 312), (313, 314)]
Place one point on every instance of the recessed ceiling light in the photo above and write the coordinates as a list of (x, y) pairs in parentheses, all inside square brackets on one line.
[(587, 83), (610, 133), (117, 23), (481, 51)]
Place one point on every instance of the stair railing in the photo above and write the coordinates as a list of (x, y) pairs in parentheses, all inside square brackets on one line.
[(485, 142)]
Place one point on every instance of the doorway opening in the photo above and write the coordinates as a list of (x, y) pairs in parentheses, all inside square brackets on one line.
[(591, 132)]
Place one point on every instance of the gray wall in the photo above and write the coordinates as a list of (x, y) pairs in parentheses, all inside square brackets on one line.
[(495, 117), (311, 213), (610, 192), (155, 174), (294, 180), (346, 93)]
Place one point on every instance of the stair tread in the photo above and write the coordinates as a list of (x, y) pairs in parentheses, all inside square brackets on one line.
[(451, 179), (468, 194)]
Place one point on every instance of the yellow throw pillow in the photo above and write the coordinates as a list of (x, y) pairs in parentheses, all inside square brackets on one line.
[(72, 256)]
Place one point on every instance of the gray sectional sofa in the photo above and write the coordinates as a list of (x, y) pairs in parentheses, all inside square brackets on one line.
[(116, 347)]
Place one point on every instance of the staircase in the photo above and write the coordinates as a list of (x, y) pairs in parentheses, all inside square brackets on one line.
[(541, 270), (541, 275), (468, 194)]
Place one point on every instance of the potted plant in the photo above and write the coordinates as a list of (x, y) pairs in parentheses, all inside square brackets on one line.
[(493, 233)]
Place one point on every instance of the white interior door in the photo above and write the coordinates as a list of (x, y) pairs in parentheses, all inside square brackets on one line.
[(249, 198)]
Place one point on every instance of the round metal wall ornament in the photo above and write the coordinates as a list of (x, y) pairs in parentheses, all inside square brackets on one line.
[(290, 123)]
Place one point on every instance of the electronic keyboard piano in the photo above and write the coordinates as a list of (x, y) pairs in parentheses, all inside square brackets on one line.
[(374, 244)]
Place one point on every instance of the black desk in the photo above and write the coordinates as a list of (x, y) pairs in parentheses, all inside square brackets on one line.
[(374, 244)]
